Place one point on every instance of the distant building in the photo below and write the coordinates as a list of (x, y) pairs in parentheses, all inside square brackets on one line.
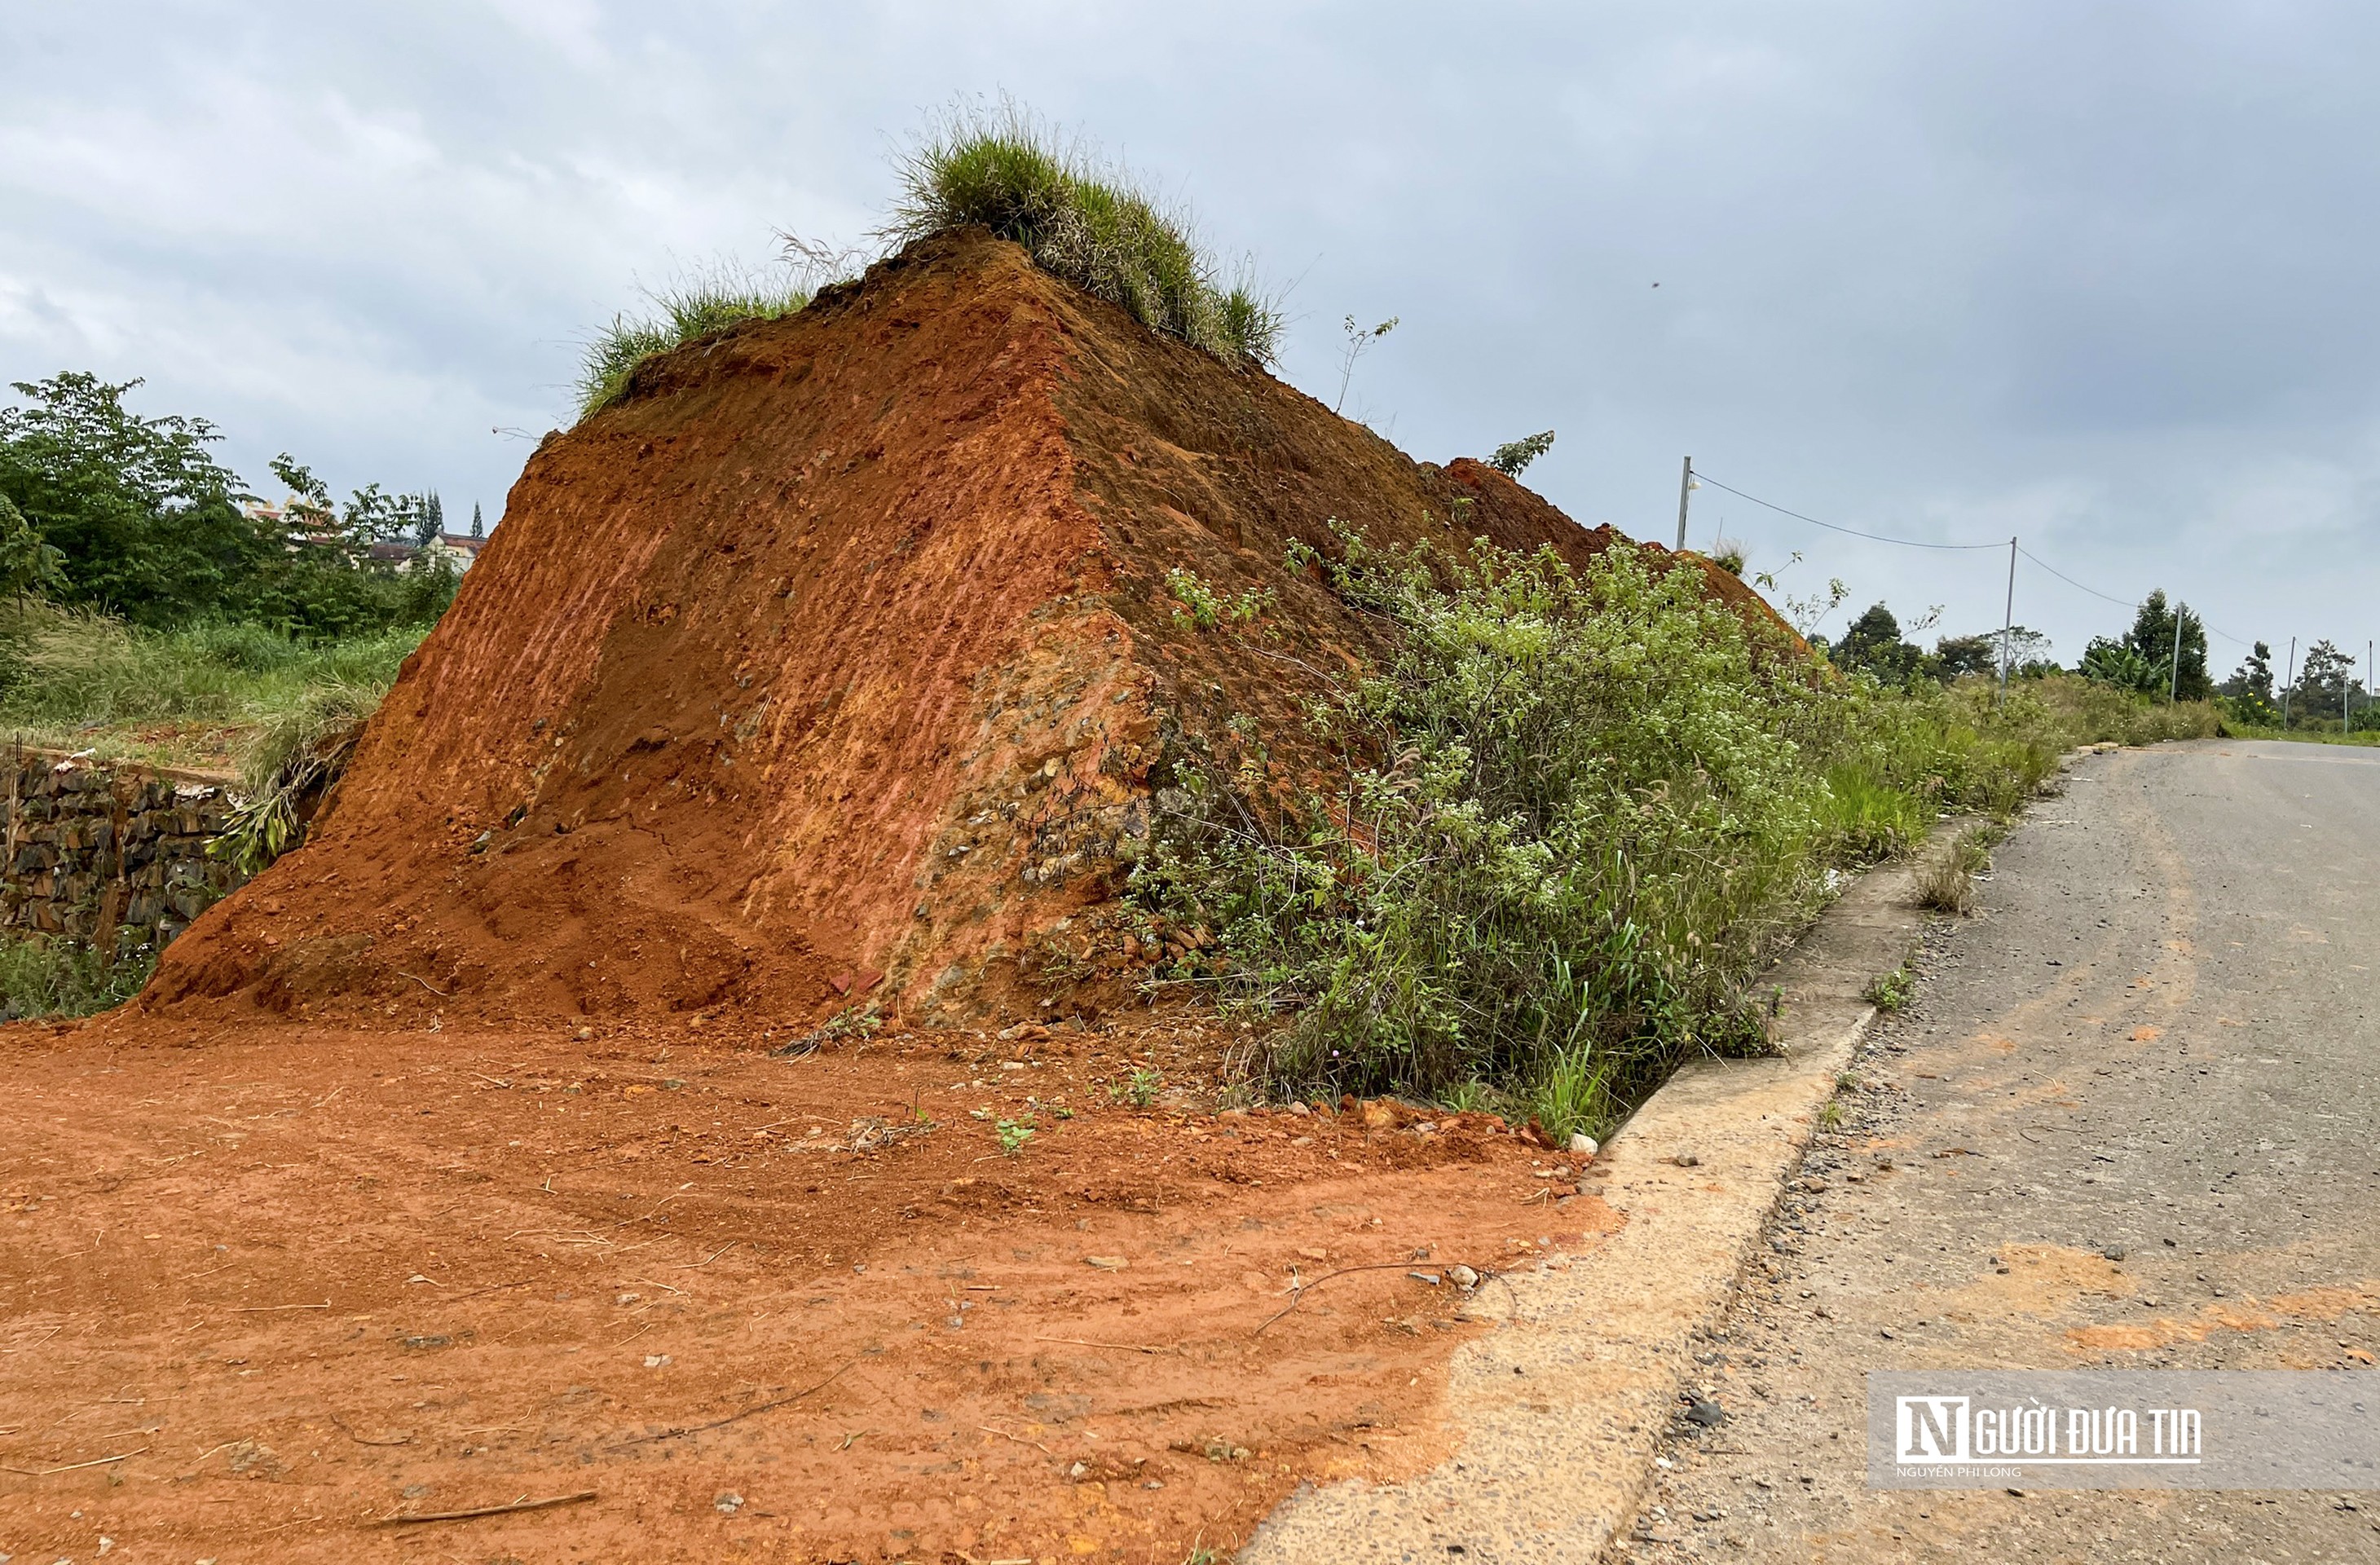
[(462, 546), (458, 549)]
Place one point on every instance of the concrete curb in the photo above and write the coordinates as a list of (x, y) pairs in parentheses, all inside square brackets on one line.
[(1559, 1411)]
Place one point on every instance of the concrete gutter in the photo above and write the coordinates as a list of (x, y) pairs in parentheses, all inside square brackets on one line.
[(1558, 1411)]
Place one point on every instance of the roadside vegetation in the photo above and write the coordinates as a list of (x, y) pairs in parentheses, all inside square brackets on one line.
[(41, 977), (152, 609), (1562, 829)]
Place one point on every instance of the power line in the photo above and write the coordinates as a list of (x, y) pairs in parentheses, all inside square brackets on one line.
[(2120, 602), (2053, 570), (1702, 476)]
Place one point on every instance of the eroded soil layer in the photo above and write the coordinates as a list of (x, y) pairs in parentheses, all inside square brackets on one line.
[(304, 1281)]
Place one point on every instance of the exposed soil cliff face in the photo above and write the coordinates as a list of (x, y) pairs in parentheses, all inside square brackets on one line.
[(831, 661)]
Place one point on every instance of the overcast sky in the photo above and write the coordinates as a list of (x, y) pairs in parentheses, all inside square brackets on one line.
[(2100, 275)]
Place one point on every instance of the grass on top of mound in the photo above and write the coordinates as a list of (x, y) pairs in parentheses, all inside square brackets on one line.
[(1081, 220), (693, 307)]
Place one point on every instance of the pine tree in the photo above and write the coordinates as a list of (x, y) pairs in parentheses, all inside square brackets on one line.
[(478, 529)]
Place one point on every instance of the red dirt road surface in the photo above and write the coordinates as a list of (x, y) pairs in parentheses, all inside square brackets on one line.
[(262, 1292)]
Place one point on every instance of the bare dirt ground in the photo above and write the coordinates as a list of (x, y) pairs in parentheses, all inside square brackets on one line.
[(262, 1288), (2125, 1122)]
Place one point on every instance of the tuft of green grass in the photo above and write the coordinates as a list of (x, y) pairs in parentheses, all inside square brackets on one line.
[(295, 758), (1947, 883), (688, 308), (1867, 818), (45, 976), (1081, 220)]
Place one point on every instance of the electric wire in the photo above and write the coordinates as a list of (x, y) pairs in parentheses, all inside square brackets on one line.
[(1701, 477), (1874, 537), (2204, 622)]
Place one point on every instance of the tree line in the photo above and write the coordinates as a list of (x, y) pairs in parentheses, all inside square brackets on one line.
[(2163, 656), (103, 509)]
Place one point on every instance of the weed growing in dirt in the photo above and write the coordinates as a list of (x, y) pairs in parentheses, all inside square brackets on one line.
[(853, 1023), (1080, 220), (1947, 883), (1890, 991), (1013, 1134), (291, 766), (1139, 1089), (1569, 818), (43, 975), (1202, 606), (1513, 457)]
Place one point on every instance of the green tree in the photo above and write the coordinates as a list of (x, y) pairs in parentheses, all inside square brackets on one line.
[(27, 564), (2324, 683), (2250, 688), (2115, 663), (2152, 637), (429, 520), (2028, 653), (146, 523), (1873, 642)]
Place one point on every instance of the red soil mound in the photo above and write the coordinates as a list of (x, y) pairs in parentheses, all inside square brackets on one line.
[(837, 656)]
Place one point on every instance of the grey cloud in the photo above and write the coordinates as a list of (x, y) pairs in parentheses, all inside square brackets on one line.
[(2089, 273)]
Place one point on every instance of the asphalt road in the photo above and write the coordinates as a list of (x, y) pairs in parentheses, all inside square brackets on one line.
[(2155, 1041)]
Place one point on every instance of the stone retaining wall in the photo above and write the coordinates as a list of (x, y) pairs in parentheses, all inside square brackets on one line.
[(96, 848)]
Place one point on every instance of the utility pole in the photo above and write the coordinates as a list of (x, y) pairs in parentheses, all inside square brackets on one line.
[(2289, 678), (1685, 487), (2007, 629), (2173, 694)]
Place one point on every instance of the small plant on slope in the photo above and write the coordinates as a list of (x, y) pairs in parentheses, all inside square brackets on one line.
[(1513, 458)]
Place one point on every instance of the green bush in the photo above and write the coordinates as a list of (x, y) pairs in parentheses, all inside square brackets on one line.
[(709, 302), (1079, 220), (1565, 823), (290, 766), (1570, 814), (44, 976)]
